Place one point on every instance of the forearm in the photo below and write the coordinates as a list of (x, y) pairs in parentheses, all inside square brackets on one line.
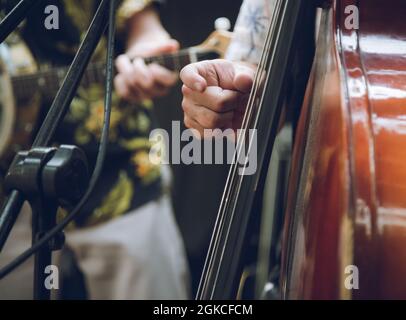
[(145, 25), (145, 37)]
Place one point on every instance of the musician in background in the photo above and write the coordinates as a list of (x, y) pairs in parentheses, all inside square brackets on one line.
[(216, 92), (126, 242)]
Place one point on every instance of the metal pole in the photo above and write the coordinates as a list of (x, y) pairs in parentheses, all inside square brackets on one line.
[(58, 110), (14, 18)]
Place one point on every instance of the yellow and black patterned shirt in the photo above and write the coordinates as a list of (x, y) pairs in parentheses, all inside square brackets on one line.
[(129, 180)]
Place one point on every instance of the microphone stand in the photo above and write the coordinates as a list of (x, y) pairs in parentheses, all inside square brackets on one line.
[(14, 18), (49, 177)]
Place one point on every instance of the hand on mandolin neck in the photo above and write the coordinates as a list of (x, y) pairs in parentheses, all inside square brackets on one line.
[(137, 80)]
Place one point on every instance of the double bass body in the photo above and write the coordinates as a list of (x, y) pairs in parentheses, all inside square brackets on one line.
[(343, 219), (345, 223)]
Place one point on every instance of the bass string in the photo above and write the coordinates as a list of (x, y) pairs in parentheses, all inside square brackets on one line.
[(255, 119), (231, 185), (258, 81), (245, 142), (257, 84)]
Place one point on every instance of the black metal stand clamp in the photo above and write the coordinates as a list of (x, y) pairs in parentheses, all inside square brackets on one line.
[(48, 178)]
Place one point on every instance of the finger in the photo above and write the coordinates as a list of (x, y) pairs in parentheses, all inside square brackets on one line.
[(140, 80), (120, 87), (220, 73), (152, 48), (123, 90), (207, 118), (214, 98), (163, 76), (192, 124), (158, 91), (141, 75), (123, 64), (244, 79), (191, 78), (154, 91), (169, 46), (133, 76)]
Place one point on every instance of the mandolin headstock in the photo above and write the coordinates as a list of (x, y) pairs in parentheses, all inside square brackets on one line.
[(214, 47), (220, 39)]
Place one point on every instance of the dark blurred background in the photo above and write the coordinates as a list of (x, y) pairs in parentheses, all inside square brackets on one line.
[(197, 189)]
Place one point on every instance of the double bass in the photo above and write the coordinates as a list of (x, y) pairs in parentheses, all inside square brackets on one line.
[(324, 216)]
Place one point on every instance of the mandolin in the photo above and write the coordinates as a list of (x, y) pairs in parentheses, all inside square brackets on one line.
[(48, 81), (21, 82)]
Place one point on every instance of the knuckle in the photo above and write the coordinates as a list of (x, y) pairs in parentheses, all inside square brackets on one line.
[(198, 134), (182, 73), (186, 91), (146, 86), (221, 104), (186, 121), (185, 106), (124, 93), (212, 121), (119, 60), (133, 83), (117, 82), (185, 71)]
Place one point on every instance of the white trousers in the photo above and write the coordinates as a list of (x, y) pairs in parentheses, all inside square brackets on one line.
[(137, 256), (19, 283)]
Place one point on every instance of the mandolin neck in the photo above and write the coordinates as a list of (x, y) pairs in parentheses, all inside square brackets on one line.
[(47, 82), (177, 61)]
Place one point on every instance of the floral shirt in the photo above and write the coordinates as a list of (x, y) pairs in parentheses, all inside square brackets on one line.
[(250, 30), (128, 180)]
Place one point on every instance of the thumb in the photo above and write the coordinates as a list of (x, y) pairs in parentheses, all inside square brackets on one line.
[(167, 47), (244, 79), (152, 48), (192, 77)]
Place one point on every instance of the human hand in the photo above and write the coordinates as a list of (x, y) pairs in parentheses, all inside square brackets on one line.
[(137, 81), (215, 94)]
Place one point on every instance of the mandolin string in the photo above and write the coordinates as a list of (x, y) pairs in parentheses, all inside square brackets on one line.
[(47, 81), (231, 186), (100, 66)]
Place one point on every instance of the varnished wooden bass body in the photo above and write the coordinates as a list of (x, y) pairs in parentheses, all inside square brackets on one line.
[(345, 227)]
